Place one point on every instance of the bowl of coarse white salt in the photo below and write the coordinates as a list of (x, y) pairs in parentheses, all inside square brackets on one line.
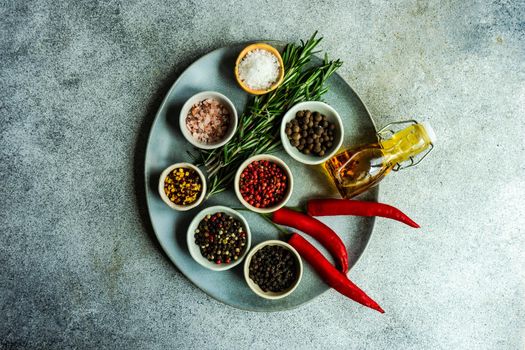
[(259, 69)]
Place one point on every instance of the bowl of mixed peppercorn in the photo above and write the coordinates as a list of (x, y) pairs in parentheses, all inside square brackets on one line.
[(218, 238), (311, 132), (182, 186), (273, 269), (263, 183)]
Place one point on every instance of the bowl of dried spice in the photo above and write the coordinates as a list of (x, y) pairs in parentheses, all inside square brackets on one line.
[(273, 269), (263, 183), (182, 186), (218, 238), (312, 132), (208, 120)]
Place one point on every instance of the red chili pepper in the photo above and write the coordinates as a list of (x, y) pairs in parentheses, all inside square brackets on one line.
[(315, 228), (334, 278), (330, 206)]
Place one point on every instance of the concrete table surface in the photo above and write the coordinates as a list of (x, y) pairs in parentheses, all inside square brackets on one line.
[(80, 84)]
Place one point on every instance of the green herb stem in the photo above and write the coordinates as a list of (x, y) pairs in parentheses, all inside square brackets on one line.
[(258, 130)]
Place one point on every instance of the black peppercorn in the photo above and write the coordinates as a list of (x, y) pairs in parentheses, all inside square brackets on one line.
[(273, 268), (311, 128)]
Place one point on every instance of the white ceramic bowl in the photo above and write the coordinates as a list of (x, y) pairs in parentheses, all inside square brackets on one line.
[(269, 158), (167, 200), (331, 115), (225, 101), (194, 248), (255, 288)]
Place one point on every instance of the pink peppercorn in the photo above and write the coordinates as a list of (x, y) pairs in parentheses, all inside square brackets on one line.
[(263, 184)]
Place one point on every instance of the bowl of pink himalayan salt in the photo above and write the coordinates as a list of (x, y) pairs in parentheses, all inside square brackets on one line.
[(208, 120)]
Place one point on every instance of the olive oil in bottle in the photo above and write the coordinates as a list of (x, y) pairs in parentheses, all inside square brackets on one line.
[(357, 169)]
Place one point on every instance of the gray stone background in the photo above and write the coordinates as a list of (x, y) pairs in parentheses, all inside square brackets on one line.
[(80, 84)]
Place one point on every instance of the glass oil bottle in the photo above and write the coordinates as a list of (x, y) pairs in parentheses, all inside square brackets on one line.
[(355, 170)]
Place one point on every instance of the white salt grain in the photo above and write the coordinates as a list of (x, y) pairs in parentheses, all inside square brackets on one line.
[(259, 69)]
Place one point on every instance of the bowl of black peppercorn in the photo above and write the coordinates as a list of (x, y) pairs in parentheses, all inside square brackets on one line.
[(311, 132), (273, 269), (218, 238)]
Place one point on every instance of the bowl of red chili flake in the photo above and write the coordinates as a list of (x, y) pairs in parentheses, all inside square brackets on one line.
[(182, 186), (263, 183)]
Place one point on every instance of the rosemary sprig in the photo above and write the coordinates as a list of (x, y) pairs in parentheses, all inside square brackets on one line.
[(258, 130)]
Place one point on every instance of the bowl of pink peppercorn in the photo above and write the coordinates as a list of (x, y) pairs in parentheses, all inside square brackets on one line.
[(263, 183), (208, 120)]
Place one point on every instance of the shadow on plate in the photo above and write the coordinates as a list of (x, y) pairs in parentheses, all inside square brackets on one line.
[(227, 62), (142, 141)]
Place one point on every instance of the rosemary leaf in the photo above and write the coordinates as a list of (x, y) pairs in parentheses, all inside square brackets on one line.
[(258, 130)]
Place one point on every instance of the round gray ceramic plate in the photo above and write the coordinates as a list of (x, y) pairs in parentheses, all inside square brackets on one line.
[(166, 146)]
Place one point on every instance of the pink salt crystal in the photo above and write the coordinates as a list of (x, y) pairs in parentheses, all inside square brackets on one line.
[(208, 121)]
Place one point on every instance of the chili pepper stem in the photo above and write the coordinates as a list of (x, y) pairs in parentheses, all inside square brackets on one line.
[(297, 208), (279, 228), (267, 219)]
